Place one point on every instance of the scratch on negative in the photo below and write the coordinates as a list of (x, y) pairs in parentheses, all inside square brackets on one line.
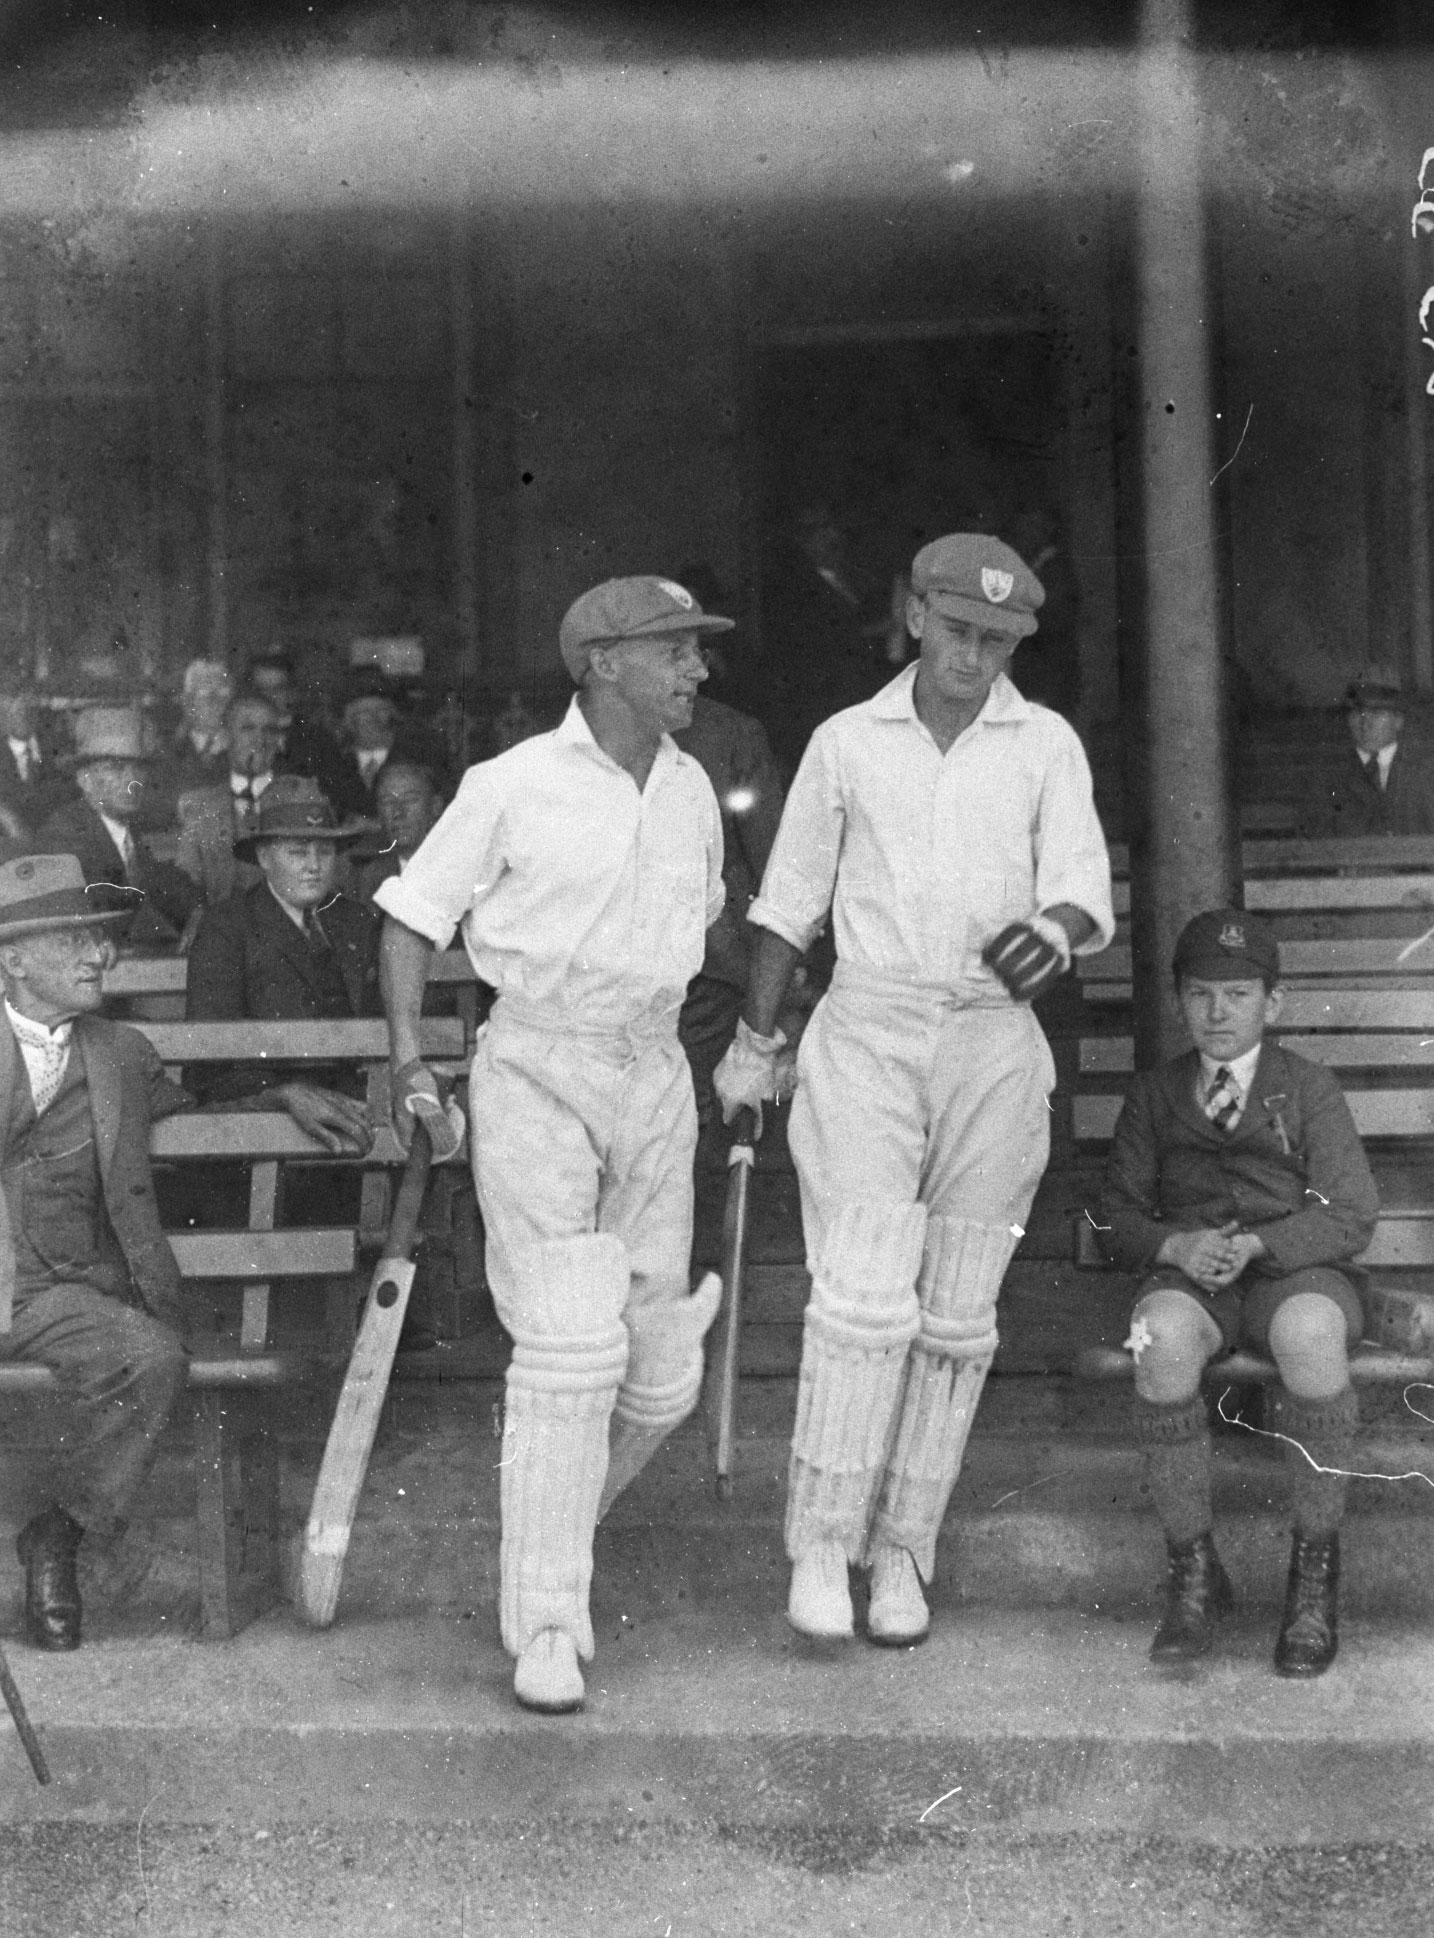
[(1020, 1490), (939, 1801), (1310, 1192), (1091, 1222), (1349, 1473), (1239, 447)]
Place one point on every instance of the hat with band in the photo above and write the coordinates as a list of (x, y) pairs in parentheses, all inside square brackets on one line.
[(1376, 687), (1227, 945), (40, 892), (295, 810), (979, 579), (620, 610)]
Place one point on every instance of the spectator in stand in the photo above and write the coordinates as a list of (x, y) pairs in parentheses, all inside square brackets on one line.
[(408, 800), (200, 747), (32, 783), (112, 764), (305, 744), (1380, 784), (376, 730)]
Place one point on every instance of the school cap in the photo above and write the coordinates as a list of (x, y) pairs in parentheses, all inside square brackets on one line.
[(1226, 945), (979, 579), (623, 609)]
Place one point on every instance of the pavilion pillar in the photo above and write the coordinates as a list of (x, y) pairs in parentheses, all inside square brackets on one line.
[(1184, 834)]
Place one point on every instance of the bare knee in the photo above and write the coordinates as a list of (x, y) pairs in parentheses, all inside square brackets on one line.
[(1171, 1337), (1309, 1344)]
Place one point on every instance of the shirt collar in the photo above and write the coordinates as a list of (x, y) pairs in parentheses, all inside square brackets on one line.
[(118, 831), (897, 700), (27, 1030), (1242, 1069), (575, 732)]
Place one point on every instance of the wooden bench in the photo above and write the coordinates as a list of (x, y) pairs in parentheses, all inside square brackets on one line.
[(1363, 1005), (233, 1381), (151, 988)]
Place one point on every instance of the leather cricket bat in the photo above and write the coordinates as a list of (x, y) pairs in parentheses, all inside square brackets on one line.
[(355, 1422), (724, 1361)]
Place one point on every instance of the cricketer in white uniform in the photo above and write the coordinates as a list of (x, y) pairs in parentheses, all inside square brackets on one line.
[(948, 827), (584, 867)]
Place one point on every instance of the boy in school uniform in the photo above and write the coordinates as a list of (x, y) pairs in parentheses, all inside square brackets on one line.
[(1238, 1187)]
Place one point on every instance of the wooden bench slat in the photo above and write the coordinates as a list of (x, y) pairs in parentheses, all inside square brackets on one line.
[(1369, 854), (1401, 1240), (253, 1134), (206, 1374), (1376, 1113), (1307, 956), (359, 1039), (314, 1252), (167, 975), (1368, 1366), (1115, 1055)]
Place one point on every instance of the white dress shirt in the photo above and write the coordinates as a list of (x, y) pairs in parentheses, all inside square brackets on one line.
[(26, 754), (575, 891), (924, 857), (1242, 1070), (1383, 760), (119, 833), (45, 1051)]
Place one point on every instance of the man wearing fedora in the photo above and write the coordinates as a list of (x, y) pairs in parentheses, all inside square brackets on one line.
[(1379, 783), (289, 948), (88, 1283), (112, 763), (584, 867)]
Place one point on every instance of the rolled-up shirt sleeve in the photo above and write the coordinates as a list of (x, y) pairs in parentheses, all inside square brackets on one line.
[(1072, 861), (801, 874), (459, 860)]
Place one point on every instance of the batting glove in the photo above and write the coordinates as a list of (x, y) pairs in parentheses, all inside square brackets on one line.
[(1029, 956), (415, 1090), (747, 1075)]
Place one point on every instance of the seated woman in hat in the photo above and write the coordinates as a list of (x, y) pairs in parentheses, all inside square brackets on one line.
[(289, 948), (88, 1283)]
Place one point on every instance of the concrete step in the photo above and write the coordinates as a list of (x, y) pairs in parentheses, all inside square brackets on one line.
[(1050, 1512), (1032, 1707)]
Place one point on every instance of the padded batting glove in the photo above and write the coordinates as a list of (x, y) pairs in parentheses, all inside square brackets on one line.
[(747, 1075), (1029, 956), (415, 1090)]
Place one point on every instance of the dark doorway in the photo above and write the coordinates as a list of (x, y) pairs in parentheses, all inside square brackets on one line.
[(871, 447)]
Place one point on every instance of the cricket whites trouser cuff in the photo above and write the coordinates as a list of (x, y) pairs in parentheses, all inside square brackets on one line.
[(568, 1361), (951, 1354), (662, 1384), (859, 1325)]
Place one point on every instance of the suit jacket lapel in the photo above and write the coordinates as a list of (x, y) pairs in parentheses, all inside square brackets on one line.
[(346, 954), (1269, 1093), (1183, 1079), (12, 1074), (103, 1078), (287, 937)]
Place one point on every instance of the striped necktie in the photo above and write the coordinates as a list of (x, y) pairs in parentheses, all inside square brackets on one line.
[(1222, 1102)]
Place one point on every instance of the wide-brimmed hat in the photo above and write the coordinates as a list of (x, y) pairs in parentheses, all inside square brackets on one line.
[(1376, 687), (295, 811), (110, 733), (619, 610), (50, 892)]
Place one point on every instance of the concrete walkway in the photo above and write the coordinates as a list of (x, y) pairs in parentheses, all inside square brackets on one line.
[(1032, 1707)]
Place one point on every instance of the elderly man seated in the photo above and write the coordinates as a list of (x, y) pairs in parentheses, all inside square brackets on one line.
[(113, 761), (88, 1283)]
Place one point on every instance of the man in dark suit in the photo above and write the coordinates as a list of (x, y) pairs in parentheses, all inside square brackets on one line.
[(305, 745), (32, 784), (88, 1283), (1379, 784), (112, 762)]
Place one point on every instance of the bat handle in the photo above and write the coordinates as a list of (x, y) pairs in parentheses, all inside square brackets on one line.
[(23, 1725)]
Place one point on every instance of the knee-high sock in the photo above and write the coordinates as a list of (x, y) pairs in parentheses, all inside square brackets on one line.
[(859, 1324), (663, 1380), (1175, 1439), (961, 1273), (1324, 1430), (569, 1351)]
